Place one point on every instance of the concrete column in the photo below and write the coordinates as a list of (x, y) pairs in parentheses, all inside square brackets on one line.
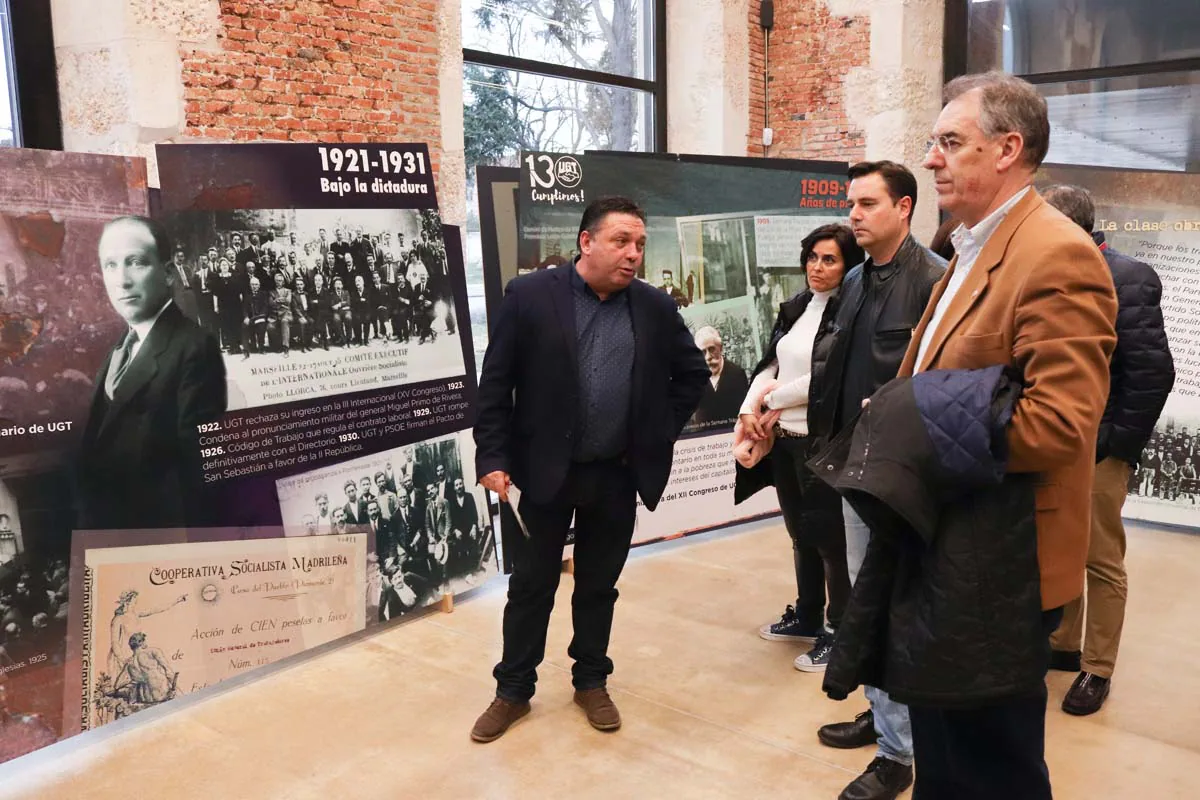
[(119, 70), (452, 182), (708, 76), (897, 98)]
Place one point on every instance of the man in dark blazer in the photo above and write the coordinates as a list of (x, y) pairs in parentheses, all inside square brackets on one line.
[(727, 384), (589, 377), (139, 464), (464, 531), (445, 486), (356, 507), (408, 526)]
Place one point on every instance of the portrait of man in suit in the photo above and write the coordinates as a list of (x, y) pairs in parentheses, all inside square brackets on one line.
[(727, 383), (139, 464), (355, 509), (443, 485)]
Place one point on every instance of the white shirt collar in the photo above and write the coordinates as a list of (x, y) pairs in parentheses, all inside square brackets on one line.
[(974, 239), (142, 329)]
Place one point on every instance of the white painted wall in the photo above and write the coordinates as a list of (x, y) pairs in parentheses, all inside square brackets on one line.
[(896, 99)]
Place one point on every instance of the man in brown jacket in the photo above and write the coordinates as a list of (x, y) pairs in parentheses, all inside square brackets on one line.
[(1027, 288)]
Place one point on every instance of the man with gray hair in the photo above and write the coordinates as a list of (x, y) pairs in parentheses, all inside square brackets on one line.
[(1142, 373), (1029, 291), (727, 384)]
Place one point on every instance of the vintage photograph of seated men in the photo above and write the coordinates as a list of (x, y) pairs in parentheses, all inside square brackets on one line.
[(308, 303)]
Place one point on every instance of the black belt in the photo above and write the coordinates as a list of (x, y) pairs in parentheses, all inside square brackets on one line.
[(783, 433)]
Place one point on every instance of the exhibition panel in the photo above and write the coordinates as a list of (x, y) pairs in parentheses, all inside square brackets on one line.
[(1154, 218), (231, 432), (723, 239)]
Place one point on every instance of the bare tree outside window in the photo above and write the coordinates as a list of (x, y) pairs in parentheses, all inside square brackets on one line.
[(508, 110), (509, 107)]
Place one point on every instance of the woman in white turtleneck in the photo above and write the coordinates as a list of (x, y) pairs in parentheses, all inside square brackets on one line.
[(777, 404)]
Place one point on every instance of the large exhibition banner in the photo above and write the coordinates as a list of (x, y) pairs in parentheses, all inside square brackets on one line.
[(294, 309), (1155, 217), (56, 328), (723, 240), (323, 273), (349, 380)]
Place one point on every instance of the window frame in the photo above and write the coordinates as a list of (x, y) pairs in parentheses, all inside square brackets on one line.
[(37, 121), (955, 43), (10, 69), (656, 88)]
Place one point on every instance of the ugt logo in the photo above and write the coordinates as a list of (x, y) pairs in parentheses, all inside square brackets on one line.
[(546, 172), (568, 172)]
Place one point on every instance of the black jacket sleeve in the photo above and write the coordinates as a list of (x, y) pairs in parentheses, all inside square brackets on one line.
[(497, 382), (1143, 371)]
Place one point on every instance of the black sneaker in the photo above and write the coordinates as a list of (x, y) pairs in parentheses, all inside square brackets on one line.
[(817, 659), (883, 779), (789, 628)]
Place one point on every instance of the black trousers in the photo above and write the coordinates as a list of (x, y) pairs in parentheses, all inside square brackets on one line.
[(817, 566), (603, 499), (995, 752)]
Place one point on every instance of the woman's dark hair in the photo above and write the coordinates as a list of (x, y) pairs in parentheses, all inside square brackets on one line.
[(941, 242), (852, 254)]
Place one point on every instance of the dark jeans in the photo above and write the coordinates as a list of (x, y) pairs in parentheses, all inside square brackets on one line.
[(817, 566), (603, 499), (988, 753)]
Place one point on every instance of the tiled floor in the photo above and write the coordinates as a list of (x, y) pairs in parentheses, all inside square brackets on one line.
[(710, 709)]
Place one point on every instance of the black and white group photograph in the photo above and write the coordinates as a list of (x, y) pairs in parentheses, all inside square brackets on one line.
[(427, 515), (35, 532), (292, 295), (1170, 466)]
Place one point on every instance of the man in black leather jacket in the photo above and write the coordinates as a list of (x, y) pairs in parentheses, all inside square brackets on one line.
[(882, 301), (1142, 373)]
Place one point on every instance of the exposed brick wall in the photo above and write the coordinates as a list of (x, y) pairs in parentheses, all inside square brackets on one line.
[(811, 54), (318, 70)]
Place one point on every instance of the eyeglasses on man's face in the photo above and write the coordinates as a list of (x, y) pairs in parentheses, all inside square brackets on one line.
[(946, 144)]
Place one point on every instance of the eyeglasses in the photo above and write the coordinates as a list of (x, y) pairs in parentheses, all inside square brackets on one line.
[(946, 145)]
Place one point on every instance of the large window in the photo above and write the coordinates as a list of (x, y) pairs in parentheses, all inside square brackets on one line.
[(559, 75), (1121, 77)]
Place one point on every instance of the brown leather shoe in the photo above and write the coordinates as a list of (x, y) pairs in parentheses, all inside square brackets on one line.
[(601, 711), (498, 718)]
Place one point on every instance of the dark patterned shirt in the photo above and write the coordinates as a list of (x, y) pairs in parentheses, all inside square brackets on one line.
[(604, 336)]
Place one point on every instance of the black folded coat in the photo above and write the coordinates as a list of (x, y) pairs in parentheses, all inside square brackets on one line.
[(946, 609)]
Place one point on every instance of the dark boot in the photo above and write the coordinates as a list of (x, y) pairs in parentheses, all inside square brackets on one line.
[(850, 735), (1087, 695), (883, 779)]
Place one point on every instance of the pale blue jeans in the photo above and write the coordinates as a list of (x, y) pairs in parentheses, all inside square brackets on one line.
[(891, 718)]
